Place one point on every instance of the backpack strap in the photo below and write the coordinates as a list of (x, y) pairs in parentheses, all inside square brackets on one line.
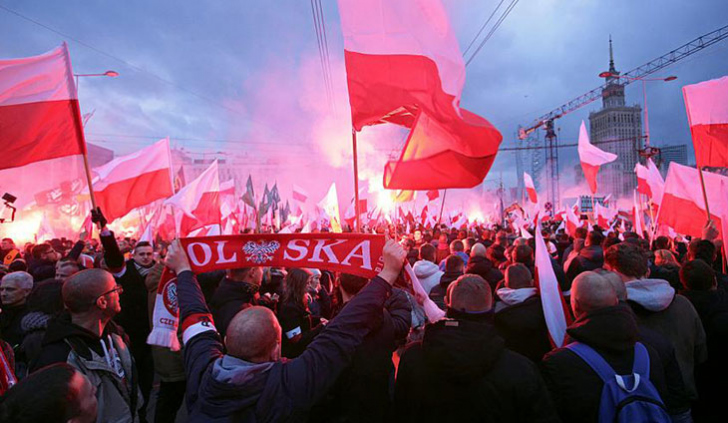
[(641, 364), (594, 360)]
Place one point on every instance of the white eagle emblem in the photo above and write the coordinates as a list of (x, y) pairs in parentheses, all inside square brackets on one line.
[(261, 252)]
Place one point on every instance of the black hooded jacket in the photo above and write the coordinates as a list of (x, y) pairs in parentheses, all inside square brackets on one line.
[(484, 268), (461, 372), (575, 388), (229, 298), (523, 327)]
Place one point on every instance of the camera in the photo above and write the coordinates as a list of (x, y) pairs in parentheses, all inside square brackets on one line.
[(8, 200)]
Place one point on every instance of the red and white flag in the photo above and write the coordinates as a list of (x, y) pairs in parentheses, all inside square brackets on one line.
[(40, 124), (134, 180), (683, 206), (404, 66), (530, 188), (591, 158), (554, 308), (433, 194), (299, 194), (707, 107), (649, 181), (637, 216), (198, 203), (571, 220)]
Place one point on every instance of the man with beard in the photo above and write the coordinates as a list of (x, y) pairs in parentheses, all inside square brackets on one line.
[(134, 315)]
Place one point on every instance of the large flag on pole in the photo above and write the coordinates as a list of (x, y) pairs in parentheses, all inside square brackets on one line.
[(198, 203), (40, 125), (552, 301), (39, 114), (707, 107), (649, 181), (134, 180), (404, 67), (683, 206), (591, 158)]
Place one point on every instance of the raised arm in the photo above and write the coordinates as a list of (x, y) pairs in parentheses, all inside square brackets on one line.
[(309, 377)]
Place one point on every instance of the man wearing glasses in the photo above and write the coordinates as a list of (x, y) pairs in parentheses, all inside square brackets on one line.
[(87, 339), (134, 316)]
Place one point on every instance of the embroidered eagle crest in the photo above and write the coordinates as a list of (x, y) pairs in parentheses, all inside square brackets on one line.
[(261, 252)]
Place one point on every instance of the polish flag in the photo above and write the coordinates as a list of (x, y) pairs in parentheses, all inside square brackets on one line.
[(198, 203), (530, 188), (707, 107), (299, 194), (40, 124), (572, 221), (432, 194), (404, 66), (637, 216), (555, 311), (591, 158), (724, 215), (330, 205), (683, 206), (603, 215), (134, 180), (649, 181)]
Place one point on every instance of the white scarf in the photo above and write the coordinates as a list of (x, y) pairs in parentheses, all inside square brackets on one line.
[(515, 296), (165, 319)]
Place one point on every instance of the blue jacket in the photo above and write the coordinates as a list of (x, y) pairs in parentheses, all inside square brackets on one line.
[(224, 388)]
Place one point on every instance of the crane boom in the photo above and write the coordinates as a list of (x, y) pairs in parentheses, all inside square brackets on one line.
[(648, 68)]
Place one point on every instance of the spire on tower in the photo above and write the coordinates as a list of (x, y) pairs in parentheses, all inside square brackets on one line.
[(611, 56)]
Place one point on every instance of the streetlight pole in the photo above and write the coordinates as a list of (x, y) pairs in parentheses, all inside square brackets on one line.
[(109, 73)]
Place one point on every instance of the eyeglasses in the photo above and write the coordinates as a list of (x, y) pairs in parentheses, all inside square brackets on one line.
[(118, 289)]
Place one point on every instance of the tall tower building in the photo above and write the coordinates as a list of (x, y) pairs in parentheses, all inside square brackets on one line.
[(617, 128)]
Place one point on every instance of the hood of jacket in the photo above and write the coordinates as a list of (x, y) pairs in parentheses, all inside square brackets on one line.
[(461, 350), (479, 265), (232, 386), (35, 320), (610, 328), (592, 253), (516, 296), (449, 277), (232, 291), (425, 269), (651, 294)]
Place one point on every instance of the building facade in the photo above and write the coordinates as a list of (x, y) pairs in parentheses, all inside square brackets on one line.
[(617, 128), (673, 153)]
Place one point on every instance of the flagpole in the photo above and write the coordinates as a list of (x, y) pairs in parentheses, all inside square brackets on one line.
[(705, 195), (88, 177), (356, 180), (442, 207)]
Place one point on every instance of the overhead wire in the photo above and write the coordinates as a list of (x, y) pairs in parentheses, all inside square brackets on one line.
[(482, 28), (321, 50), (326, 51), (495, 27)]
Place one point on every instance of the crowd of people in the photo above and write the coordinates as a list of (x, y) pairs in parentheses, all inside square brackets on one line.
[(647, 336)]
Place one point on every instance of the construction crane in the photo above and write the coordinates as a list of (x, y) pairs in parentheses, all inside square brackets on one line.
[(547, 120)]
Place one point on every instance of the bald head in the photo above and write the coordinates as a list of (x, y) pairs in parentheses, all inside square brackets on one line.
[(470, 293), (478, 250), (590, 292), (254, 335), (81, 290)]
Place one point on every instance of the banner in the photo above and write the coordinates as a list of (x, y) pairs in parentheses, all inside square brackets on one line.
[(357, 254)]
